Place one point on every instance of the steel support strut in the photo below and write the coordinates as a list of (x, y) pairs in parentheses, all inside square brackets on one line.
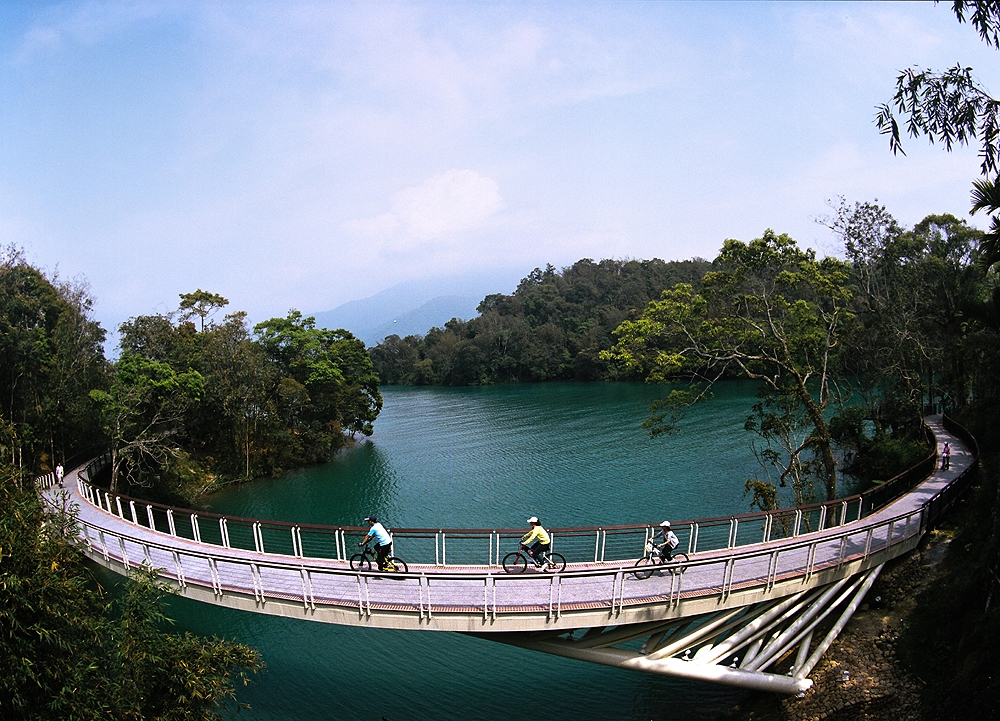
[(752, 639)]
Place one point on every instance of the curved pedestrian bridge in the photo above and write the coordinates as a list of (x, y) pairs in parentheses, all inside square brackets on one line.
[(755, 589)]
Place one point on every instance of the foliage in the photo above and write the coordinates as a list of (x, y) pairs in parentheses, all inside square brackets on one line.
[(553, 327), (201, 303), (768, 311), (951, 107), (280, 396), (143, 411), (67, 655), (51, 355)]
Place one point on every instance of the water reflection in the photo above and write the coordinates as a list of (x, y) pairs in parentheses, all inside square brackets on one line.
[(475, 457)]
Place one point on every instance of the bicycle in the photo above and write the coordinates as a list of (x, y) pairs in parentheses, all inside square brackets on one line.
[(517, 561), (646, 566), (363, 561)]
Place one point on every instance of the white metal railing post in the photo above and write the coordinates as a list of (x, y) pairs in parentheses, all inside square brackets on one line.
[(181, 581), (149, 516), (258, 538), (195, 530), (822, 517), (170, 522), (224, 531), (131, 507), (118, 503)]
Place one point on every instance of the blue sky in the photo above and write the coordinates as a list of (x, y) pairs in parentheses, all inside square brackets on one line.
[(302, 155)]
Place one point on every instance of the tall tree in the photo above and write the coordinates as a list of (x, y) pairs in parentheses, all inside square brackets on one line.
[(770, 312), (143, 412), (201, 303)]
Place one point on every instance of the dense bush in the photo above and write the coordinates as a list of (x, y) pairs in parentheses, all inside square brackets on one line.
[(67, 654)]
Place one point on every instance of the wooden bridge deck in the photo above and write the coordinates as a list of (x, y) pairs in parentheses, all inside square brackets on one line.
[(482, 598)]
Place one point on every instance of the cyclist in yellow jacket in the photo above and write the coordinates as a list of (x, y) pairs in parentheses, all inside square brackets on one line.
[(542, 541)]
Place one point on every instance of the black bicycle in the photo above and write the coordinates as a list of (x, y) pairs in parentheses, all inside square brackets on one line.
[(363, 561), (517, 561), (653, 561)]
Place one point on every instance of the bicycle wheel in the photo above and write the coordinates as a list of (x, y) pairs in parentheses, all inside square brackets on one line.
[(399, 563), (556, 564), (360, 562), (515, 562), (644, 567), (678, 563)]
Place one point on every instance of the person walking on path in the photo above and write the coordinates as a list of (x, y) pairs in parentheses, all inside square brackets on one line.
[(59, 473), (946, 456)]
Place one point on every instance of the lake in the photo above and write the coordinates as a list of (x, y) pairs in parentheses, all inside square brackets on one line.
[(570, 453)]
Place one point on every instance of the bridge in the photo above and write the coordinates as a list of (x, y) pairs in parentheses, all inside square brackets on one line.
[(761, 599)]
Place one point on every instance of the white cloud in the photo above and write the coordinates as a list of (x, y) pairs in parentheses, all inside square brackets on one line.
[(452, 202)]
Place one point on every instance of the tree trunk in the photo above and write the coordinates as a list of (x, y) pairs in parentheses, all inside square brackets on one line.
[(823, 440)]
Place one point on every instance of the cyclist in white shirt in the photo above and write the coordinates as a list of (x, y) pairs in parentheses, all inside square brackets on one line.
[(670, 541), (383, 541)]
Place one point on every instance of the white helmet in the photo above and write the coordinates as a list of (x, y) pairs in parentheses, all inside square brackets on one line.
[(665, 524), (533, 519)]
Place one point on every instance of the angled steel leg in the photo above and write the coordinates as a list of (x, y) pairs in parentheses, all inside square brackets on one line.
[(751, 639)]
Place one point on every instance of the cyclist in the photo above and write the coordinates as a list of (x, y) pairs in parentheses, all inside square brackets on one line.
[(542, 542), (383, 541), (670, 541)]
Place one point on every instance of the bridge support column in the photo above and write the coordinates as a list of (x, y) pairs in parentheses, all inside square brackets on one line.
[(752, 639)]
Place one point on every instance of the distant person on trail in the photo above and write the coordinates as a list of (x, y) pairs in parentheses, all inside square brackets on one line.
[(670, 541), (946, 456), (383, 541), (542, 541), (59, 473)]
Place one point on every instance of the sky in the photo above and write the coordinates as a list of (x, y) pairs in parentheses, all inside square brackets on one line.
[(306, 154)]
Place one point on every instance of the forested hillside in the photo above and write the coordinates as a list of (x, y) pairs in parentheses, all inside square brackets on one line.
[(189, 403), (553, 327)]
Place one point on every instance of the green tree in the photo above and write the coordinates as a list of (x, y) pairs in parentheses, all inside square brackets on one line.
[(68, 654), (50, 355), (953, 108), (332, 367), (770, 312), (201, 303), (142, 413)]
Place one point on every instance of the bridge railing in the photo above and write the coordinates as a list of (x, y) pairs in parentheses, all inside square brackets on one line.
[(464, 546), (316, 583), (477, 547)]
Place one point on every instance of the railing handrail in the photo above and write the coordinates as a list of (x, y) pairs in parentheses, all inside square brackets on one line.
[(867, 503), (788, 544)]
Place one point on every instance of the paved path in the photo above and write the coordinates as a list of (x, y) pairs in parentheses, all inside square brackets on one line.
[(483, 598)]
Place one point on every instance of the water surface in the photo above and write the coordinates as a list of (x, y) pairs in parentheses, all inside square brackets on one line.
[(572, 454)]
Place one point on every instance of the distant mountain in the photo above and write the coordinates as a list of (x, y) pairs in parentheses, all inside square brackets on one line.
[(435, 312), (414, 307)]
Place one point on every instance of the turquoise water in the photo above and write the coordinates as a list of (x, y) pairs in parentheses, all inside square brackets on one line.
[(573, 454)]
